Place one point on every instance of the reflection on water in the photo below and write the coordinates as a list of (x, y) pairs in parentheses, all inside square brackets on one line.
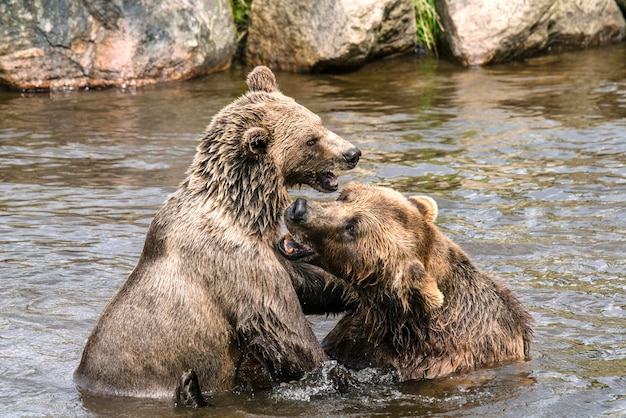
[(526, 161)]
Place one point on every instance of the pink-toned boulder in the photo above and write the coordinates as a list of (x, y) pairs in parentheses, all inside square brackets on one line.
[(59, 44), (479, 32)]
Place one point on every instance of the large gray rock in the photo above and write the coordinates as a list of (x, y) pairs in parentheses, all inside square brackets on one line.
[(479, 32), (318, 35), (98, 43)]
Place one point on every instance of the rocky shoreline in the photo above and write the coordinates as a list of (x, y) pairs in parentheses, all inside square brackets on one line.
[(73, 44)]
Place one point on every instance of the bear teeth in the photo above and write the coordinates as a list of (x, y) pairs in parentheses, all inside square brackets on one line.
[(288, 248), (328, 181), (292, 249)]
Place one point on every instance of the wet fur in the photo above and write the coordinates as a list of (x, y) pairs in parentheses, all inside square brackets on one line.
[(396, 262), (210, 292)]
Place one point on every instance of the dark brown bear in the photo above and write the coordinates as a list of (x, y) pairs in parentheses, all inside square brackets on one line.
[(210, 292), (423, 308)]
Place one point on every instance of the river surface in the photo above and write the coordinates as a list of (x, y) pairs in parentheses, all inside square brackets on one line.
[(527, 162)]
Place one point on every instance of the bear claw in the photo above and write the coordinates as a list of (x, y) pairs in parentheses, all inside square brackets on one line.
[(188, 393)]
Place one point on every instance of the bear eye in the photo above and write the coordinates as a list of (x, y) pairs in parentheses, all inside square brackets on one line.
[(312, 141), (351, 230)]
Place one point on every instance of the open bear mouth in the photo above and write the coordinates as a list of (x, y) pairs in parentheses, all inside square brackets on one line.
[(328, 181), (292, 249)]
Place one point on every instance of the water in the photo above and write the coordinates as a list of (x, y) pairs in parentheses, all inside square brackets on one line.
[(526, 160)]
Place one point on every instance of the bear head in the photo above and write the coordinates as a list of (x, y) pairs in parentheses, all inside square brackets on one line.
[(256, 148), (374, 238), (269, 129)]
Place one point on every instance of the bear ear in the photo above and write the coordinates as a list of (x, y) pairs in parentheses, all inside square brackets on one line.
[(262, 79), (426, 205), (255, 140), (414, 278)]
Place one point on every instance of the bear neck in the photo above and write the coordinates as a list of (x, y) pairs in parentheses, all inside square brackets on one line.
[(408, 327), (388, 322), (248, 188), (411, 333)]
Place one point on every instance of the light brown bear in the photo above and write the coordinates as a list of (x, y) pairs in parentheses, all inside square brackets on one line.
[(210, 292), (423, 309)]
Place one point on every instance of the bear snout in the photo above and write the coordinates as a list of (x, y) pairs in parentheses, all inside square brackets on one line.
[(297, 211), (352, 157)]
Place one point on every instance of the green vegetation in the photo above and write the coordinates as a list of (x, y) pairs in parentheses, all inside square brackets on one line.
[(241, 11), (428, 24), (427, 19)]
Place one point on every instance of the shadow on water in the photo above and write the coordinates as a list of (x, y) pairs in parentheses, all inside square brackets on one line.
[(370, 392), (526, 162)]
